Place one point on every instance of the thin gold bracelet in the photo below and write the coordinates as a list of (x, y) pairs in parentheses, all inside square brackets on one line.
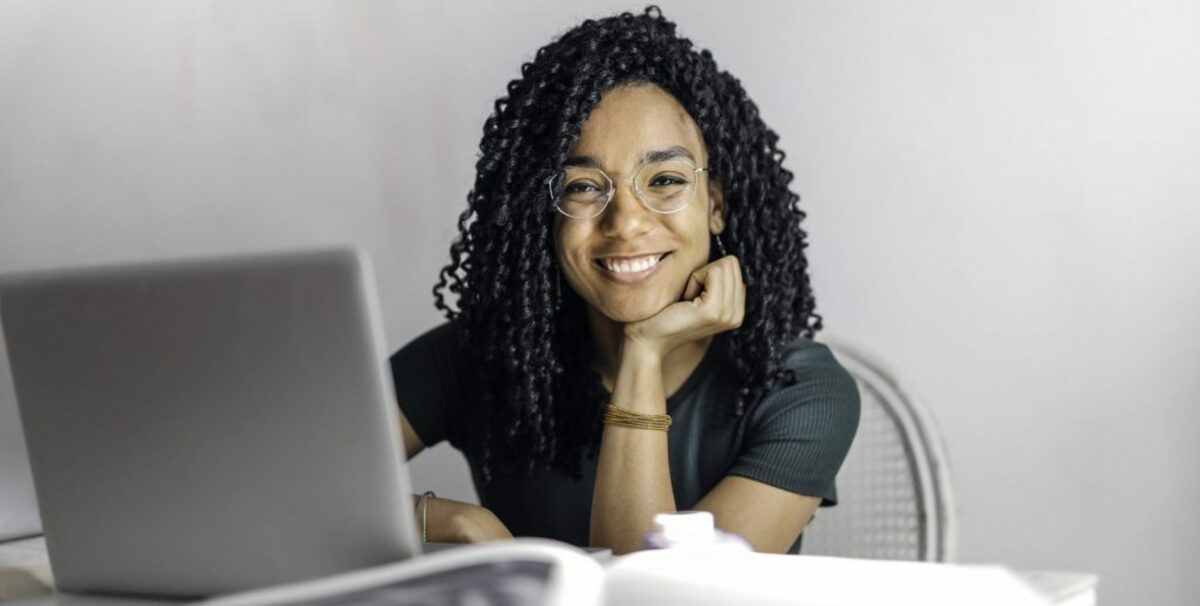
[(423, 505), (615, 415)]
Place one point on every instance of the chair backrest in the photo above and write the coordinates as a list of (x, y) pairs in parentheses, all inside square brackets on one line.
[(895, 499)]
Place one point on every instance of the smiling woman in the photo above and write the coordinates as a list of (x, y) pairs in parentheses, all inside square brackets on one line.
[(634, 324)]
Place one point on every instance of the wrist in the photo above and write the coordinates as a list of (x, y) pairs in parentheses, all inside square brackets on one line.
[(641, 352), (434, 519), (638, 386), (422, 509), (478, 525), (443, 519), (458, 522)]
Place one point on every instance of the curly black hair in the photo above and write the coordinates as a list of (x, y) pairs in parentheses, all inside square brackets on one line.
[(540, 402)]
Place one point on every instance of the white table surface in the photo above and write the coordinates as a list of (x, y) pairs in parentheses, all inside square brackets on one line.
[(26, 580)]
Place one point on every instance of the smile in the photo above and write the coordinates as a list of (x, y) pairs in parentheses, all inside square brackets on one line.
[(630, 270)]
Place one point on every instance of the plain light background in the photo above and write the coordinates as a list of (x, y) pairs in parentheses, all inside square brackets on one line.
[(1003, 202)]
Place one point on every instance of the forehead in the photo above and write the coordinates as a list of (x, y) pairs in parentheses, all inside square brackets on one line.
[(632, 120)]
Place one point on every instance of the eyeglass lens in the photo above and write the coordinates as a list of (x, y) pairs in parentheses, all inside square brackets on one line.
[(665, 187)]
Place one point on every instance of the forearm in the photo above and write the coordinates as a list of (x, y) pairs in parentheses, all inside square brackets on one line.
[(450, 521), (633, 477)]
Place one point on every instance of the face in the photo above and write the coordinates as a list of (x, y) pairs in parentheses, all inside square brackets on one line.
[(627, 124)]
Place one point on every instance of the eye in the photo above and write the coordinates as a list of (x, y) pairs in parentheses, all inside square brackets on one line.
[(668, 180), (579, 187)]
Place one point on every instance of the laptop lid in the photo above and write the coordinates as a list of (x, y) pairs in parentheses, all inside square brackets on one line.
[(206, 426), (18, 506)]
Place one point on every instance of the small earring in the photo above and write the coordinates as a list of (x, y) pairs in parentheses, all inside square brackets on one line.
[(721, 245)]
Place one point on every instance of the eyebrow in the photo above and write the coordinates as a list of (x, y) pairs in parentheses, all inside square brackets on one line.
[(652, 156)]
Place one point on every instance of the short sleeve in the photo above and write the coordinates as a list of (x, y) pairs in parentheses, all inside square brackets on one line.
[(798, 436), (426, 373)]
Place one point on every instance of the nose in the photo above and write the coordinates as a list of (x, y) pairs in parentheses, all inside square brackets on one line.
[(625, 218)]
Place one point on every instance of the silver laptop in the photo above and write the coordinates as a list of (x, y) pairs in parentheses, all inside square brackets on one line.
[(18, 507), (202, 427)]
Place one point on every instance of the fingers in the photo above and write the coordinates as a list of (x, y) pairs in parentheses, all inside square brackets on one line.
[(733, 292), (696, 281), (713, 298), (692, 288), (718, 292), (739, 304), (730, 270)]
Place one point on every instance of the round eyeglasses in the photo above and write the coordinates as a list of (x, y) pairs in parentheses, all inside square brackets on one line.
[(663, 187)]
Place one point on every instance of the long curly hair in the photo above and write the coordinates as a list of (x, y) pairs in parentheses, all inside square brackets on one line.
[(539, 402)]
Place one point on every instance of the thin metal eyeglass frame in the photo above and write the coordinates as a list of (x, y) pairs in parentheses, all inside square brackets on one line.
[(612, 191)]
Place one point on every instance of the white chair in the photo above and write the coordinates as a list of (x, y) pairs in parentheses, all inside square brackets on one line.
[(895, 499)]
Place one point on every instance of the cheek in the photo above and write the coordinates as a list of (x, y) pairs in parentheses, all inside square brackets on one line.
[(568, 244), (694, 239)]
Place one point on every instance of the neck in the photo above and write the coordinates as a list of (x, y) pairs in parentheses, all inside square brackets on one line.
[(608, 337)]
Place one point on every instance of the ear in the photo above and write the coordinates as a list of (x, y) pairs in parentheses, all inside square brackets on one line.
[(716, 207)]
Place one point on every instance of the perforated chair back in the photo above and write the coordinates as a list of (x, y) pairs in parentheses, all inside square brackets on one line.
[(895, 500)]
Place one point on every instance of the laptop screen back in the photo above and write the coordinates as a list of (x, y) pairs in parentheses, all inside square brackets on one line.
[(18, 505), (209, 426)]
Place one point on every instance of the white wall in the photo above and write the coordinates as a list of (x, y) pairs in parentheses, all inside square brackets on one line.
[(1002, 196)]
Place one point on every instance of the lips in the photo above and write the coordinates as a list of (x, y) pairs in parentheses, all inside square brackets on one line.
[(628, 270)]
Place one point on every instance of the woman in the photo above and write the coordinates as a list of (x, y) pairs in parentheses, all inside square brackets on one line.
[(631, 259)]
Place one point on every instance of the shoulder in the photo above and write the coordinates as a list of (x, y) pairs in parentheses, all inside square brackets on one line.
[(444, 332), (441, 340), (808, 357), (814, 364), (434, 355), (798, 435), (824, 393), (431, 376)]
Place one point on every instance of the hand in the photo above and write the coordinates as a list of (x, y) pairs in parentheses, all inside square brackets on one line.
[(713, 301), (449, 521)]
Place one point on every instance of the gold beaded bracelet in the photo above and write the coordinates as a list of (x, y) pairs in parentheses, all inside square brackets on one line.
[(616, 415)]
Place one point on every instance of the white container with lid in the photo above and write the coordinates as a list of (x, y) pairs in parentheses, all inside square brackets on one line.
[(691, 529)]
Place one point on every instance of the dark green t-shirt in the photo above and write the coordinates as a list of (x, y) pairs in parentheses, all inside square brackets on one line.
[(795, 439)]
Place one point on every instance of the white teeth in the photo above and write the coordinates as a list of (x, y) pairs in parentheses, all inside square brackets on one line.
[(631, 266)]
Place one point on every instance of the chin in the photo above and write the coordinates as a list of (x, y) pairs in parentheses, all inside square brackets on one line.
[(628, 318), (626, 314)]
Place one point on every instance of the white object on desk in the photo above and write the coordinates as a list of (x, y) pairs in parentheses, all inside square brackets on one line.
[(702, 578), (665, 576), (1065, 588), (691, 530)]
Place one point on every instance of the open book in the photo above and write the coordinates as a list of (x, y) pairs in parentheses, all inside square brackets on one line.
[(520, 571)]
